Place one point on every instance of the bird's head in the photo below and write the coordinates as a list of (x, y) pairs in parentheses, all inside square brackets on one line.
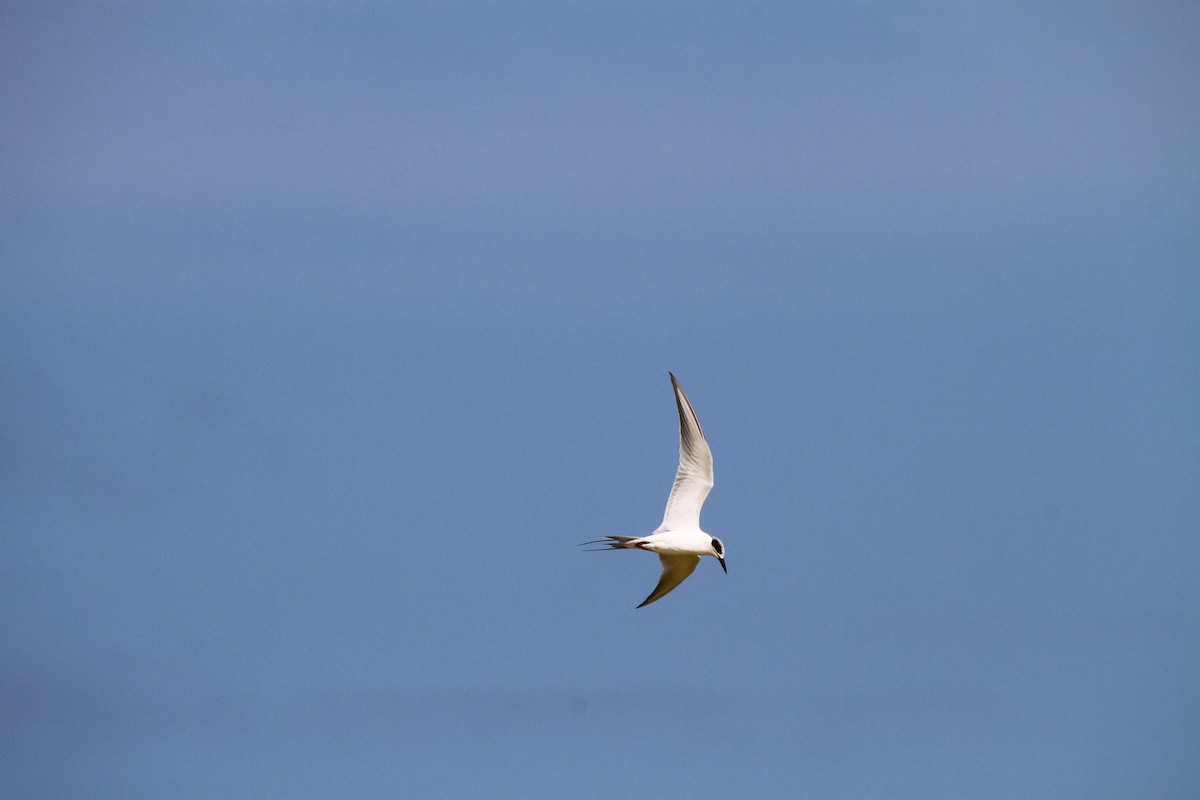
[(718, 550)]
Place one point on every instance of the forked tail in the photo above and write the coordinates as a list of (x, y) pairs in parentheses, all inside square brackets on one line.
[(613, 543)]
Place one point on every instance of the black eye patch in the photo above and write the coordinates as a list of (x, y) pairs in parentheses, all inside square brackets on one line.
[(717, 546)]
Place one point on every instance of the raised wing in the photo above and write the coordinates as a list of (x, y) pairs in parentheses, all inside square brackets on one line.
[(675, 571), (694, 478)]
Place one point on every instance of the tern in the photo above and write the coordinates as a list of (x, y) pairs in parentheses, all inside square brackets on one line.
[(679, 541)]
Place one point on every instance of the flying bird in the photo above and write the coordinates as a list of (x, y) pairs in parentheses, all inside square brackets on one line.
[(679, 541)]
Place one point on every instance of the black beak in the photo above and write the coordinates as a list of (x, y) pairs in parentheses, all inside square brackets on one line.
[(722, 564)]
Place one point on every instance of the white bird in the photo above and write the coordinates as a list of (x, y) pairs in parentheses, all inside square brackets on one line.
[(679, 541)]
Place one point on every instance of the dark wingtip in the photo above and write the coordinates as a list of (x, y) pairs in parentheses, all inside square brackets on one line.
[(651, 598)]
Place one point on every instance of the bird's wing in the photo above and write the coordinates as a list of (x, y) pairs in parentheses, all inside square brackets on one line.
[(694, 478), (675, 571)]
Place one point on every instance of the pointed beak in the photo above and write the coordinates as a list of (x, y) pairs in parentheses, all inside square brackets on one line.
[(723, 564)]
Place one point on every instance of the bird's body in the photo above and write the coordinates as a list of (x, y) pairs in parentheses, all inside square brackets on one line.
[(678, 541)]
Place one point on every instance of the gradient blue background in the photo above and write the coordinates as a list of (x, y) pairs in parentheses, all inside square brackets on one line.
[(329, 330)]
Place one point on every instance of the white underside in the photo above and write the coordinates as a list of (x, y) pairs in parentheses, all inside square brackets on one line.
[(694, 542)]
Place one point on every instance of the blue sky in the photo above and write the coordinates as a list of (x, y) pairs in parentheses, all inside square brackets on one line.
[(329, 330)]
